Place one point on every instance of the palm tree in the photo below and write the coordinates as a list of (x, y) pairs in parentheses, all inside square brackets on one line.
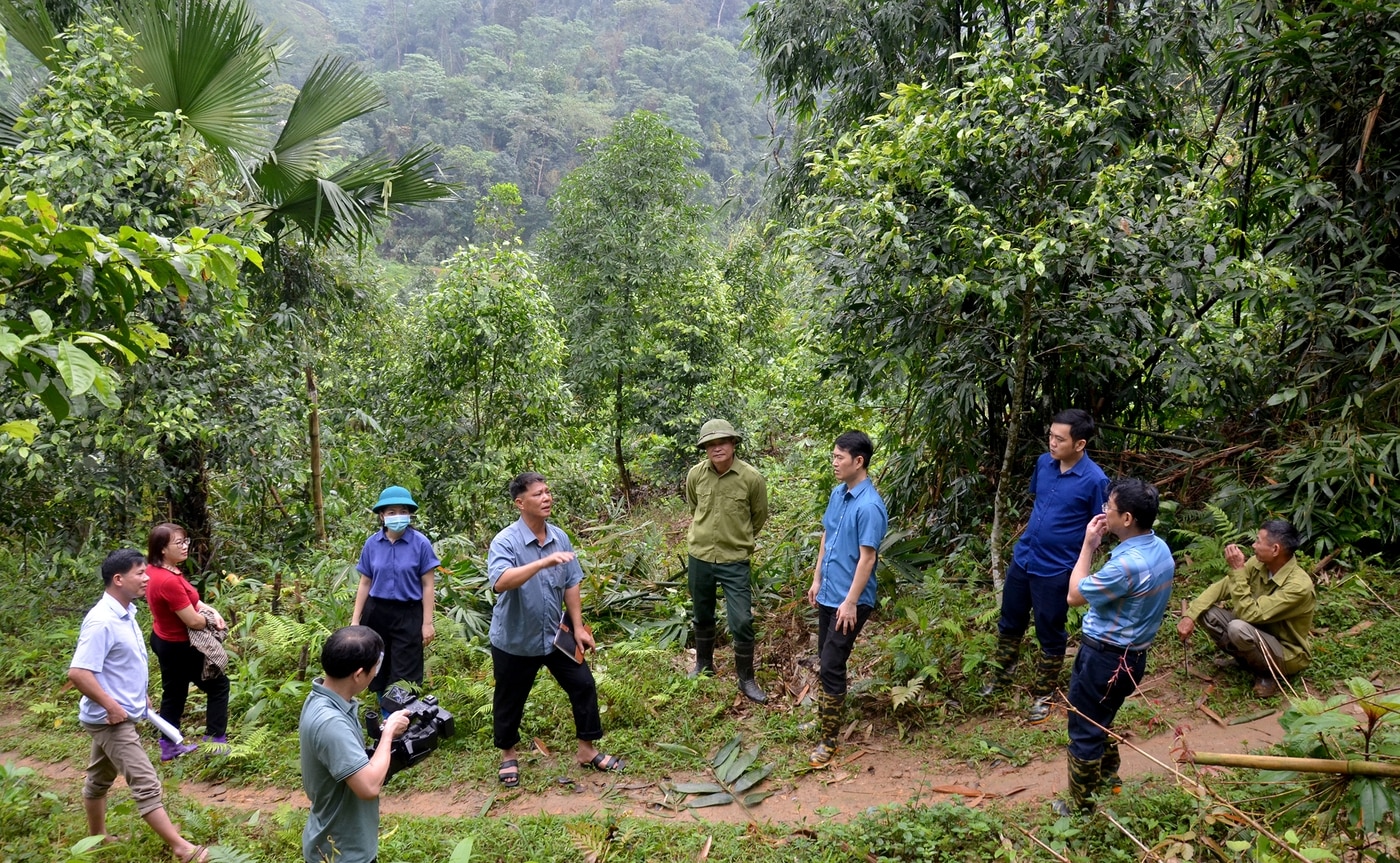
[(211, 63)]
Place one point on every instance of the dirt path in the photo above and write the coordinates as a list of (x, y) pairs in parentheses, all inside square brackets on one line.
[(876, 772)]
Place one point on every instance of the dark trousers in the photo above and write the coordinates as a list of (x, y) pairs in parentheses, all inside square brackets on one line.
[(1102, 680), (515, 677), (1047, 597), (835, 647), (705, 579), (181, 665), (400, 624)]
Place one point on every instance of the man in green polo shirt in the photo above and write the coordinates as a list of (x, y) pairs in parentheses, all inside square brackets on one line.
[(340, 779), (728, 501)]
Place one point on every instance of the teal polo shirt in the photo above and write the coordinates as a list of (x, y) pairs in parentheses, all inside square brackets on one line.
[(341, 827)]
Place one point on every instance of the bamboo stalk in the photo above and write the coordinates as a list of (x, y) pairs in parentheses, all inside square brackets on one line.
[(1354, 767)]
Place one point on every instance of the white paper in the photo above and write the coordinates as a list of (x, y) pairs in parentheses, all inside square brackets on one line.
[(164, 727)]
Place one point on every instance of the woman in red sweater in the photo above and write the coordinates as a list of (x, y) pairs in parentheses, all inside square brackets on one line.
[(175, 609)]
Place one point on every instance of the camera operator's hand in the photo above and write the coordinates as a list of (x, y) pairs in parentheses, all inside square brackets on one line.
[(395, 725)]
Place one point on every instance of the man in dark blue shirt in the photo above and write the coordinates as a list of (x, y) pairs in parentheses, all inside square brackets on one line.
[(1069, 490)]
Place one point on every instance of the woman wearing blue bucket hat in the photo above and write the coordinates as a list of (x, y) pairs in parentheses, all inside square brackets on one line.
[(395, 597)]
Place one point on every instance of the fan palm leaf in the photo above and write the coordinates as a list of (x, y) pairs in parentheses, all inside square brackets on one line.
[(347, 206), (335, 93), (210, 61), (28, 23)]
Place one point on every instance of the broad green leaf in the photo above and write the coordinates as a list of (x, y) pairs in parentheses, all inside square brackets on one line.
[(41, 320), (77, 368), (678, 749), (711, 800), (462, 851), (727, 750), (752, 778), (697, 787), (758, 797), (730, 771), (25, 430)]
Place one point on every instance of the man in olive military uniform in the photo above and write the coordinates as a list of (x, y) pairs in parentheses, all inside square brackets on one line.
[(728, 502)]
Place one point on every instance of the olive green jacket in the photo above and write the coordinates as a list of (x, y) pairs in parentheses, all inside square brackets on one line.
[(727, 511), (1281, 605)]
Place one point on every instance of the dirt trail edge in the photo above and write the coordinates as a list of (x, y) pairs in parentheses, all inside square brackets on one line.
[(878, 773)]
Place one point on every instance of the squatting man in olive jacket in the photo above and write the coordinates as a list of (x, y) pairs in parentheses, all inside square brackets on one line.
[(1261, 613), (728, 502)]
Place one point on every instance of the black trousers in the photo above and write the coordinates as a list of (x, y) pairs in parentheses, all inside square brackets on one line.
[(181, 665), (1046, 597), (400, 624), (834, 648), (515, 677)]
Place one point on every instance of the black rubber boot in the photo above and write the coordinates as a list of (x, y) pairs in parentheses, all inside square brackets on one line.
[(1003, 665), (1047, 677), (743, 664), (704, 651), (1109, 768)]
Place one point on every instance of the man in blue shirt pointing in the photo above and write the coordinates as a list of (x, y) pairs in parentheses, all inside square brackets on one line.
[(1069, 489)]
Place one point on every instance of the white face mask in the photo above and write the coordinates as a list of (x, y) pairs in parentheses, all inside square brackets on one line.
[(397, 523)]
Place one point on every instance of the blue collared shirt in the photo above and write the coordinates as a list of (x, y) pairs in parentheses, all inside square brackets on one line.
[(396, 569), (854, 518), (526, 619), (111, 647), (1128, 597), (1064, 503)]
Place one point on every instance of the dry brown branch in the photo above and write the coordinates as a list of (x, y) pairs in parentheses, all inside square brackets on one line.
[(1352, 767)]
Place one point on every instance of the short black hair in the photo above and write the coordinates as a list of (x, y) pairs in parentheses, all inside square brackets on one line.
[(349, 649), (1081, 425), (522, 483), (1137, 497), (857, 443), (1284, 533), (120, 562)]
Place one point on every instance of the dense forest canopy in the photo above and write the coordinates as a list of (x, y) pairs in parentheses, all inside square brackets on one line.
[(1178, 216)]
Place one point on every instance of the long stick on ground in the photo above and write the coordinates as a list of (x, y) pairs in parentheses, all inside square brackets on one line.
[(1355, 767)]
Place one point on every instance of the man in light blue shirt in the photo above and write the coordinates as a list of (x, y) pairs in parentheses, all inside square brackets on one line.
[(110, 669), (1127, 600), (843, 582), (535, 574)]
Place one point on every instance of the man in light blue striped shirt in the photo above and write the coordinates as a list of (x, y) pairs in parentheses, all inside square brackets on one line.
[(1127, 599)]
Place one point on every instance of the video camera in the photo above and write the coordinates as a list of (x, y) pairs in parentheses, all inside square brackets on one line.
[(428, 724)]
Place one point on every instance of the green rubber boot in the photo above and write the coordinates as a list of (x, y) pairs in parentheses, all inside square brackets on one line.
[(1047, 678), (1003, 665)]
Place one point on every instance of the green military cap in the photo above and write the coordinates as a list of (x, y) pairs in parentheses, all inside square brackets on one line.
[(717, 429)]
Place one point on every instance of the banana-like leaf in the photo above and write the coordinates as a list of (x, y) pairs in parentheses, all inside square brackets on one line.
[(697, 787), (727, 751), (752, 778), (711, 800), (734, 769), (758, 797)]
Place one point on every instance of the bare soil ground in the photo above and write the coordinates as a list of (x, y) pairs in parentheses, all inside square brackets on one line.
[(872, 769)]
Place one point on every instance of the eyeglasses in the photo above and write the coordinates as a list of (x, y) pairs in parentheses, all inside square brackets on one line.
[(183, 543), (1109, 508)]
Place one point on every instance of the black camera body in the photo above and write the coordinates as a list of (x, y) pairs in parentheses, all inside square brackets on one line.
[(428, 724)]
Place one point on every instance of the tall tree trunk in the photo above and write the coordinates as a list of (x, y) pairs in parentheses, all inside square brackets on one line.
[(188, 494), (622, 473), (318, 501), (1019, 373)]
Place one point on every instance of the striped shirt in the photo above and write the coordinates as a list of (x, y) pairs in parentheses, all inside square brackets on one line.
[(1128, 597)]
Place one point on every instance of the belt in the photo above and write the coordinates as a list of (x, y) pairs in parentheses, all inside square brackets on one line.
[(1105, 647)]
